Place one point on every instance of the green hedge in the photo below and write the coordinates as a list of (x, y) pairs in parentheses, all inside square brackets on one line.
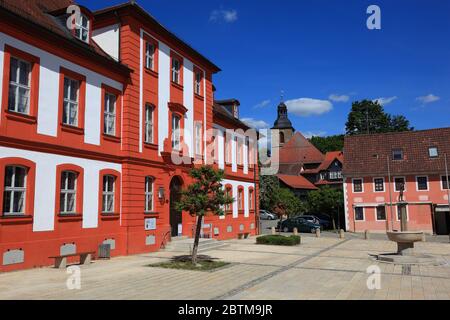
[(279, 240)]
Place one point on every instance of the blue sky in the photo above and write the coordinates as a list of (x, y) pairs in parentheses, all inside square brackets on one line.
[(321, 54)]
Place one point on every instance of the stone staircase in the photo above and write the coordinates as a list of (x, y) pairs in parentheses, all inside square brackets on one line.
[(185, 244)]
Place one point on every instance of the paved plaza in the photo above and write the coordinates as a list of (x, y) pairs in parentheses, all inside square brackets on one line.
[(320, 268)]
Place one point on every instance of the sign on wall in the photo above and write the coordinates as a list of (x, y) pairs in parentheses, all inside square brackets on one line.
[(150, 224)]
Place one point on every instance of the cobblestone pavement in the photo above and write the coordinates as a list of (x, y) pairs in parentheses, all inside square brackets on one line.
[(320, 268)]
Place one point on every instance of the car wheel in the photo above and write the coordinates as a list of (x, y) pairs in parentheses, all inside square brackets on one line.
[(285, 229)]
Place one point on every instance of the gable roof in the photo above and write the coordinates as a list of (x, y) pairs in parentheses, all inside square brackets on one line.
[(368, 154), (221, 112), (158, 28), (329, 158), (296, 182), (299, 150), (37, 14)]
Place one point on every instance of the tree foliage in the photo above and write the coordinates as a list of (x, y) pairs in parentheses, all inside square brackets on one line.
[(369, 117), (326, 200), (205, 195), (330, 143)]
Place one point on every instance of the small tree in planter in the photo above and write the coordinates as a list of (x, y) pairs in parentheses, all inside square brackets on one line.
[(205, 195)]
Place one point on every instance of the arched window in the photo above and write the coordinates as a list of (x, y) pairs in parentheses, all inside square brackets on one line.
[(69, 186), (281, 137), (240, 198), (229, 193), (109, 199)]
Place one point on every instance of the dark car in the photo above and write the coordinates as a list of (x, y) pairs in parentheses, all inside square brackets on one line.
[(302, 225), (324, 220)]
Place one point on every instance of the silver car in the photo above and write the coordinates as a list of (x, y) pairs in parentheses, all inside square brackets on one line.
[(266, 215)]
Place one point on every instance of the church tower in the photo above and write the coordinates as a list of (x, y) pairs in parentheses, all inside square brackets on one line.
[(282, 130)]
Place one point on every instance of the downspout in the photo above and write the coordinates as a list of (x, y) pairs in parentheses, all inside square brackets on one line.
[(390, 193)]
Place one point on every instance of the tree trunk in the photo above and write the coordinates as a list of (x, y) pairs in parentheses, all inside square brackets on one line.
[(196, 240)]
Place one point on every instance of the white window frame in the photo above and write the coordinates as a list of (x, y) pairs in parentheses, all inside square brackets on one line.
[(429, 152), (362, 185), (399, 177), (106, 194), (376, 213), (417, 184), (149, 123), (374, 185), (150, 56), (397, 213), (79, 28), (363, 213), (15, 86), (198, 83), (109, 115), (149, 193), (176, 132), (15, 190), (176, 66), (198, 138), (68, 103), (66, 191)]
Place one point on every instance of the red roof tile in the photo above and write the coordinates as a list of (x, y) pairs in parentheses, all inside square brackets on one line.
[(299, 150), (296, 182), (368, 154), (329, 158)]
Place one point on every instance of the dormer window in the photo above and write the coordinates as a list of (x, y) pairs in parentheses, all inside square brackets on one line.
[(82, 28), (433, 152), (397, 154)]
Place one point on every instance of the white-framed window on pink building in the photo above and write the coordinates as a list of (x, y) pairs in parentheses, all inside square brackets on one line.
[(381, 213), (357, 185), (378, 184), (359, 214)]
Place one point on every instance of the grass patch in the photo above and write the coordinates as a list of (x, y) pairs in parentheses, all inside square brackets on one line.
[(279, 240), (204, 263)]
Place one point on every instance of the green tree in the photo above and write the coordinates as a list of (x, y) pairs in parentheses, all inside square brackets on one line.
[(205, 195), (369, 117), (268, 186), (326, 200), (330, 143), (287, 203)]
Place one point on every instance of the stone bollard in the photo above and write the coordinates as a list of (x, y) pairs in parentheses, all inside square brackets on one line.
[(366, 235), (317, 233), (295, 232), (341, 234), (273, 231), (424, 237)]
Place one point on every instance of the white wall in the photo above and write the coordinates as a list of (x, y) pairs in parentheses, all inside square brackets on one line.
[(47, 122), (188, 102), (163, 93), (45, 185), (108, 39)]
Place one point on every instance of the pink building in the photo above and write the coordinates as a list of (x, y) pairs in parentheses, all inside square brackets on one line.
[(378, 165)]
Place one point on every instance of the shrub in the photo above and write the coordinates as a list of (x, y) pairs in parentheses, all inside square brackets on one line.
[(279, 240)]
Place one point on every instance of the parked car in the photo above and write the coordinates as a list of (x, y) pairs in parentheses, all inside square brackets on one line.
[(325, 220), (302, 225), (266, 215)]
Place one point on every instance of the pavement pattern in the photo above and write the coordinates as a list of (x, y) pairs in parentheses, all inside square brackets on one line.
[(320, 268)]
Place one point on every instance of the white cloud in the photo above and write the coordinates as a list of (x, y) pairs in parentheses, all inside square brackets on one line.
[(256, 124), (428, 98), (262, 104), (339, 98), (385, 101), (310, 134), (228, 16), (307, 106)]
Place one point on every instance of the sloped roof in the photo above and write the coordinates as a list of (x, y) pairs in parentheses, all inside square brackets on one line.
[(368, 154), (296, 182), (299, 150), (329, 158), (221, 112), (38, 12)]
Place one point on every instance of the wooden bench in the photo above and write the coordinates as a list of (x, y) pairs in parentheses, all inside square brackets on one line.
[(61, 261), (243, 235)]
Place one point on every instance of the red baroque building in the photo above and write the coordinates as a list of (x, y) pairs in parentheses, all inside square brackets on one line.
[(378, 166), (90, 119)]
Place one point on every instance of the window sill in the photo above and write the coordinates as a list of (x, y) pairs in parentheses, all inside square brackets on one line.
[(151, 146), (65, 217), (72, 129), (16, 116), (241, 211), (240, 166), (151, 213), (177, 85), (110, 216), (151, 72), (198, 96), (16, 219), (111, 138), (229, 165)]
